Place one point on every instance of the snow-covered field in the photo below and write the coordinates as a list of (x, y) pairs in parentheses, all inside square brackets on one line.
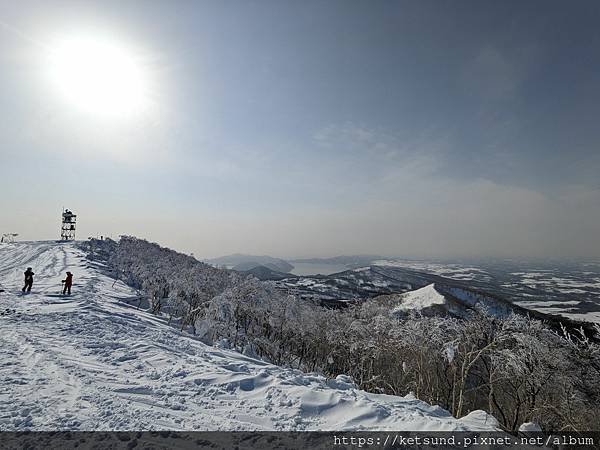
[(452, 271), (91, 361)]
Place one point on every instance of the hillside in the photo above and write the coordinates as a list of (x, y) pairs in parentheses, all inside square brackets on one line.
[(438, 299), (93, 361), (424, 299), (391, 282), (265, 273)]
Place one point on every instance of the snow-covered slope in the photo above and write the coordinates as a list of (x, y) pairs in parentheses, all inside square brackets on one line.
[(92, 361), (420, 299)]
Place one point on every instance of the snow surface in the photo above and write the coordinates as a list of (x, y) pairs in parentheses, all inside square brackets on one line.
[(92, 361), (420, 299)]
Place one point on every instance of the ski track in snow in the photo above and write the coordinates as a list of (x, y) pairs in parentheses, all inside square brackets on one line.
[(90, 361)]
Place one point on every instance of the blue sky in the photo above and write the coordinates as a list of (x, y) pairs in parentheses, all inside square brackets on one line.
[(433, 129)]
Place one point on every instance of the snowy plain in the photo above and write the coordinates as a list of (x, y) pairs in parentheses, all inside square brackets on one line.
[(93, 361)]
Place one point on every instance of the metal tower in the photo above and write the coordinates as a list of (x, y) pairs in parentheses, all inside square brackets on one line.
[(67, 230)]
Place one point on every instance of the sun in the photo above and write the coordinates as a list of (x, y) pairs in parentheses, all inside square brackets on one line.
[(98, 76)]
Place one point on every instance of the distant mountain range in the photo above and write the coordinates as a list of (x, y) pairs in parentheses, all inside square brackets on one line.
[(269, 267), (244, 263)]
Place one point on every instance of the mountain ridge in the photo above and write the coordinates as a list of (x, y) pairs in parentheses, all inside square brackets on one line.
[(132, 370)]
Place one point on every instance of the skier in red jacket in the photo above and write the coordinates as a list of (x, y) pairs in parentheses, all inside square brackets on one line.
[(68, 282)]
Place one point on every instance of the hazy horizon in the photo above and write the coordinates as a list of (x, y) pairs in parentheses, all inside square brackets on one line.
[(413, 129)]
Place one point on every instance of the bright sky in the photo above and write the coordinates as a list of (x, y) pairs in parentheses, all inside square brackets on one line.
[(313, 128)]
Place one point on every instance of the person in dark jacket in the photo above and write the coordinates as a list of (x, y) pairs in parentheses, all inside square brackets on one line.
[(68, 282), (28, 280)]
